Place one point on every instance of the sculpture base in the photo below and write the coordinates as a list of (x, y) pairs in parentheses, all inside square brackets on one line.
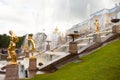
[(97, 38), (47, 47), (32, 73), (73, 49), (116, 29), (12, 72), (12, 63), (32, 64)]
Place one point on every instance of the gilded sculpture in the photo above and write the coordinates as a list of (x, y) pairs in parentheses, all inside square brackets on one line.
[(32, 42), (11, 48), (26, 48), (96, 23)]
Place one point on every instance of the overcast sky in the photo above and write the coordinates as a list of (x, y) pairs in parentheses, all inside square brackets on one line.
[(32, 16)]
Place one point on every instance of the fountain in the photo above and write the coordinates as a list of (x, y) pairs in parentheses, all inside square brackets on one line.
[(116, 27), (40, 39), (48, 45), (115, 20), (73, 45)]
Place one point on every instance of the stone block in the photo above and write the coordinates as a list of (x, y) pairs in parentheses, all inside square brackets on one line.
[(116, 29), (47, 47), (32, 64), (97, 38), (12, 72), (73, 48)]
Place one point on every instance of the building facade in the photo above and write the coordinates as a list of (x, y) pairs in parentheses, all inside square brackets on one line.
[(104, 17)]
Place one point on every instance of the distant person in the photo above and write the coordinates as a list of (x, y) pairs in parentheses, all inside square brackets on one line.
[(3, 51)]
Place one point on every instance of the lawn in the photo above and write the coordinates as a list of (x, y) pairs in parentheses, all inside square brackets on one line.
[(103, 64)]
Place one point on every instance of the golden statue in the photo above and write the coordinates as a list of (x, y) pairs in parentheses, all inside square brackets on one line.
[(11, 48), (96, 23), (33, 45), (26, 48)]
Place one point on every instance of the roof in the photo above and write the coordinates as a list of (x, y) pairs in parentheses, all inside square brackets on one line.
[(114, 9)]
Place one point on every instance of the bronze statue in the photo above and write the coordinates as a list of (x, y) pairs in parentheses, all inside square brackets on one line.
[(96, 23), (33, 45), (11, 48)]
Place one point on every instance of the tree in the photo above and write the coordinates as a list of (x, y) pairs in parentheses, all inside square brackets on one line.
[(5, 40)]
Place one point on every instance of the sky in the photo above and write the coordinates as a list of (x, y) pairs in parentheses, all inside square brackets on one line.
[(32, 16)]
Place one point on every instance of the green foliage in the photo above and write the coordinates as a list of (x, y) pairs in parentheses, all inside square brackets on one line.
[(103, 64), (21, 39), (5, 39)]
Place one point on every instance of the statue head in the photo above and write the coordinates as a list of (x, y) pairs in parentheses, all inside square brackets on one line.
[(96, 20), (16, 39), (10, 32), (29, 37)]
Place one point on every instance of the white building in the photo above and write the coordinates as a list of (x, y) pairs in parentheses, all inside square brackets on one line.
[(104, 17), (57, 38)]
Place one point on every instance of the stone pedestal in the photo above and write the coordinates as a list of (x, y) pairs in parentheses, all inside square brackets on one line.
[(12, 72), (73, 49), (116, 29), (97, 38), (26, 54), (32, 73), (32, 64), (47, 47)]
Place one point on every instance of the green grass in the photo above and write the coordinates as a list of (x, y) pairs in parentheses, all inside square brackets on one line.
[(103, 64)]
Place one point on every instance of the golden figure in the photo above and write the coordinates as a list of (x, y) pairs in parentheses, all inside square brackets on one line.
[(26, 48), (33, 45), (11, 48), (96, 23)]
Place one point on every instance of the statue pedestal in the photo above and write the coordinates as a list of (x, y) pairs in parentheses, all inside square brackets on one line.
[(12, 72), (73, 49), (32, 64), (32, 73), (116, 29), (26, 54), (97, 38), (47, 47)]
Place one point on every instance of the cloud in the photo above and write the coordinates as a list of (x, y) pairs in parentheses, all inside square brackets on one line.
[(32, 16)]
